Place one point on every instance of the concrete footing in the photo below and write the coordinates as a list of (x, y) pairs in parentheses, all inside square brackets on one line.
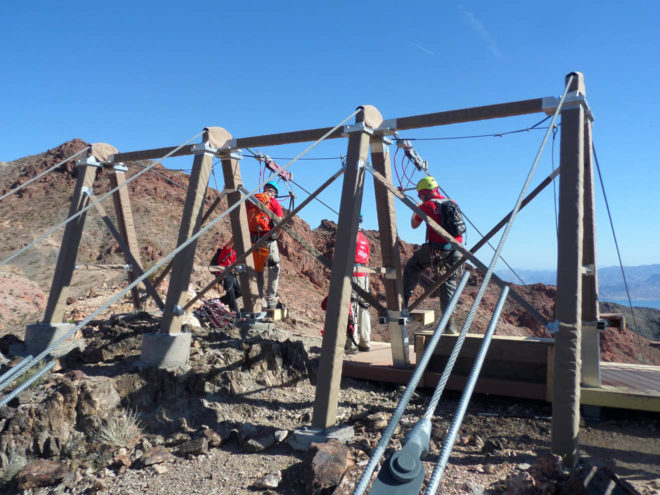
[(39, 336), (302, 438), (162, 350)]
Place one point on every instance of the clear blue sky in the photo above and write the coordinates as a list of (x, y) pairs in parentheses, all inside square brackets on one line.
[(149, 74)]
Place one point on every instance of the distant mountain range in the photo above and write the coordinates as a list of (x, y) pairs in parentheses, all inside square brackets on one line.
[(643, 281)]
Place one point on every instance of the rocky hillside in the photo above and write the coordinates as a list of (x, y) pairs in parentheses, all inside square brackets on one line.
[(157, 199)]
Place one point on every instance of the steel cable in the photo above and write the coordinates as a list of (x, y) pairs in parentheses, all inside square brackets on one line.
[(164, 260), (101, 198), (16, 189), (437, 474)]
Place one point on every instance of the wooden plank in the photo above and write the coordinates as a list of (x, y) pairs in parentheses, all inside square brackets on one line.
[(613, 398), (424, 316)]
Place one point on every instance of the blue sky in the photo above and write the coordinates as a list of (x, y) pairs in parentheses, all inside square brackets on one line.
[(149, 74)]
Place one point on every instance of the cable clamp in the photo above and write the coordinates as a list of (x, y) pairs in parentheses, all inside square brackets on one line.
[(128, 267), (201, 148), (573, 100), (359, 127), (120, 167)]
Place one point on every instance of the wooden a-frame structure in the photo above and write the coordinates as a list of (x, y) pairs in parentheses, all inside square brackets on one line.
[(576, 349)]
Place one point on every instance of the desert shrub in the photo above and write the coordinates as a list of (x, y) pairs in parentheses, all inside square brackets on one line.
[(120, 430)]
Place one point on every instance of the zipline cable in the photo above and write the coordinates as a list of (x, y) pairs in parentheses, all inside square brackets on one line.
[(616, 242), (164, 260), (101, 198), (432, 486), (16, 189)]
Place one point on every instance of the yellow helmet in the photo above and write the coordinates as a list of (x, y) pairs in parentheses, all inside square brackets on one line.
[(428, 183)]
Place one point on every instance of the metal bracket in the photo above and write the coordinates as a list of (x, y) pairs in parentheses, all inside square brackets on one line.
[(228, 152), (573, 100), (552, 327), (589, 270), (177, 310), (359, 127), (387, 127), (128, 267), (89, 160), (87, 191), (240, 268), (602, 324), (383, 319), (200, 148), (120, 167)]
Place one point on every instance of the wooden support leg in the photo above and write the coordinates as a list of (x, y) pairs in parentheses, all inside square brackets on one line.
[(568, 309), (336, 316), (127, 228)]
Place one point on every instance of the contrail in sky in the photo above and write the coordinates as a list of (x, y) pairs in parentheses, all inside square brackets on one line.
[(478, 26), (421, 48)]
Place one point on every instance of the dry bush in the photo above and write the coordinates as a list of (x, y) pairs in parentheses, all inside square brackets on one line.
[(121, 430)]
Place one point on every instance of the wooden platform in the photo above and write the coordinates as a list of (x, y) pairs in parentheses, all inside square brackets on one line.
[(623, 386)]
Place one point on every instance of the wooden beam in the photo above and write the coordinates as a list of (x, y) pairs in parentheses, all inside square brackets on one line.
[(191, 222), (496, 111), (343, 263), (124, 215), (128, 255), (385, 209), (66, 259), (486, 112), (240, 232), (568, 307)]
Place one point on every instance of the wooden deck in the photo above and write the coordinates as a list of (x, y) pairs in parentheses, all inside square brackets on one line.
[(625, 386)]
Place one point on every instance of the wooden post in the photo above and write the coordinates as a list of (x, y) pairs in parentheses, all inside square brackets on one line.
[(66, 260), (343, 263), (568, 307), (590, 310), (126, 227), (240, 231), (191, 222), (385, 207)]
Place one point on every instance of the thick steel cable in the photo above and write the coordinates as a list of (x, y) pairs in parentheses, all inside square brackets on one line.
[(448, 444), (16, 189), (169, 256), (101, 198), (4, 379), (477, 300), (616, 242), (27, 383), (410, 389)]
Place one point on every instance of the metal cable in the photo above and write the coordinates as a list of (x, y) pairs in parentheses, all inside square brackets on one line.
[(27, 383), (16, 189), (83, 210), (4, 379), (616, 242), (448, 444), (166, 258), (410, 389), (554, 186), (437, 393)]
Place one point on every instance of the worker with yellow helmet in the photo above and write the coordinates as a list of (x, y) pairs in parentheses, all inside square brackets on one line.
[(437, 252)]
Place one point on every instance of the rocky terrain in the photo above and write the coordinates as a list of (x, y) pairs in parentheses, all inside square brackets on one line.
[(103, 424)]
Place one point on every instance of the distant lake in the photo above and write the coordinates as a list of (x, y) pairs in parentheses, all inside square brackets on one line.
[(644, 304)]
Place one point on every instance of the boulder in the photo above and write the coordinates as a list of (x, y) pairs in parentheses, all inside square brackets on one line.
[(41, 472), (324, 466)]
